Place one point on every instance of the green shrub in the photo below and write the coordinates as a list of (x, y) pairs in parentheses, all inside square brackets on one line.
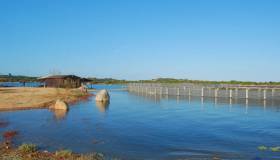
[(27, 148)]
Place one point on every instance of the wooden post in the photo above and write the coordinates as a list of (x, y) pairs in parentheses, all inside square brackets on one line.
[(247, 93), (272, 92), (160, 92), (178, 91), (230, 93), (216, 92), (167, 90), (226, 91), (264, 94), (189, 91), (202, 92)]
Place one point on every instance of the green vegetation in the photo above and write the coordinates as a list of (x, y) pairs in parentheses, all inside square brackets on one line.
[(12, 78), (107, 81), (172, 80), (275, 149), (30, 152), (27, 148), (63, 153), (272, 149), (262, 148)]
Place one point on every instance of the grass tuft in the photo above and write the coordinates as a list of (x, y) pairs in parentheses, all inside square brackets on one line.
[(64, 153), (27, 148)]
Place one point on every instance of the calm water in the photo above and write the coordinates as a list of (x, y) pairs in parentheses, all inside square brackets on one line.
[(146, 127), (20, 84)]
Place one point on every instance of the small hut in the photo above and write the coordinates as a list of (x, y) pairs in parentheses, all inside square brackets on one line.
[(63, 81)]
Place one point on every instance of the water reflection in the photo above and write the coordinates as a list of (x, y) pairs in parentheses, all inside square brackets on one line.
[(59, 114), (247, 103), (102, 106)]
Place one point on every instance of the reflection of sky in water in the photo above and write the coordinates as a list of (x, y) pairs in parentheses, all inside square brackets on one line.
[(154, 127)]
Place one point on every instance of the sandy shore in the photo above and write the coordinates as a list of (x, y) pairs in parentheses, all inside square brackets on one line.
[(28, 98)]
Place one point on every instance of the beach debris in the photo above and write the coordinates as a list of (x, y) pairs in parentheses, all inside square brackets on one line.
[(7, 144), (10, 134), (102, 95), (60, 105)]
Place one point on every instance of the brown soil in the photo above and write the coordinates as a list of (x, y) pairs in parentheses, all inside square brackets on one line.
[(28, 98)]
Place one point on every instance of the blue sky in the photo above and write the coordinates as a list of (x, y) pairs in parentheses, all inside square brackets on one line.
[(142, 39)]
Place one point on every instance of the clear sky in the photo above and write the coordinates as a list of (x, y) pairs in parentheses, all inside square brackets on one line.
[(142, 39)]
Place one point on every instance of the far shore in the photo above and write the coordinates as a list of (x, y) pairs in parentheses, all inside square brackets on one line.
[(18, 98)]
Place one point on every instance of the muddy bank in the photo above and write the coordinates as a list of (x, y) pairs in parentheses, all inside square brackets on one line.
[(30, 98)]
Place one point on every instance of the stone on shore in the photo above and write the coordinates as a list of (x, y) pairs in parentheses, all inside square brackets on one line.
[(60, 105), (102, 96)]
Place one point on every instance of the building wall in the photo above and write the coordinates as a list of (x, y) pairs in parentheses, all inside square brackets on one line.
[(63, 83)]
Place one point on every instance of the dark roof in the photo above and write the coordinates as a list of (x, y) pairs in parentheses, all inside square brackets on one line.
[(85, 80), (59, 77)]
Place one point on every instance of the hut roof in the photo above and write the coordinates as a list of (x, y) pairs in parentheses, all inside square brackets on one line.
[(59, 77), (63, 77)]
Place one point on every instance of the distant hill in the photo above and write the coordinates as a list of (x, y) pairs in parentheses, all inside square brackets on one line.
[(107, 80), (173, 80)]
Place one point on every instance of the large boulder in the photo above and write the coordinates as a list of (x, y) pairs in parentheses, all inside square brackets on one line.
[(59, 105), (102, 96)]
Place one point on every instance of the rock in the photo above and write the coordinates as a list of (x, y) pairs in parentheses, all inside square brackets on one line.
[(61, 105), (102, 95)]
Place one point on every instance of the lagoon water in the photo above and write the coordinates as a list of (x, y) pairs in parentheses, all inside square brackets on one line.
[(135, 126)]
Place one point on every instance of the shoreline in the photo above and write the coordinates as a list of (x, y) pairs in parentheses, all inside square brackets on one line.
[(24, 98), (32, 152)]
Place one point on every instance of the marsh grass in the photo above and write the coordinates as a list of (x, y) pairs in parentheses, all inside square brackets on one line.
[(64, 153), (27, 148)]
